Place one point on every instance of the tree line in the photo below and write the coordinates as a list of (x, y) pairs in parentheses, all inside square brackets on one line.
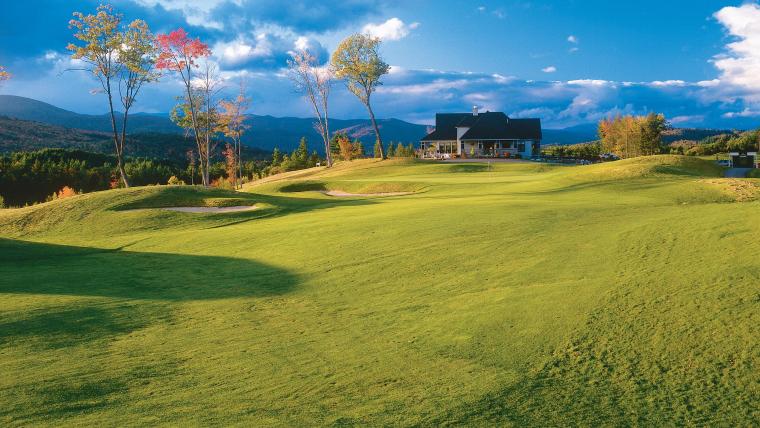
[(33, 177), (631, 136), (723, 143)]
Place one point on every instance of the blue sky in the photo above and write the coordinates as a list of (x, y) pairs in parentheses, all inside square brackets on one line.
[(568, 62)]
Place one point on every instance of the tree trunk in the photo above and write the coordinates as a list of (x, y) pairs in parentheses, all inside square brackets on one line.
[(326, 137), (121, 148), (193, 117), (240, 160), (377, 130), (117, 146), (206, 181)]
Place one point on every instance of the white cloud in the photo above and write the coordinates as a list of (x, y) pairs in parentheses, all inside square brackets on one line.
[(549, 69), (427, 88), (589, 82), (740, 65), (240, 51), (747, 112), (195, 12), (572, 39), (666, 83), (690, 119), (392, 29), (709, 83)]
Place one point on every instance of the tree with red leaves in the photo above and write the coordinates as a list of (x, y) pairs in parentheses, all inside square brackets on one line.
[(180, 54)]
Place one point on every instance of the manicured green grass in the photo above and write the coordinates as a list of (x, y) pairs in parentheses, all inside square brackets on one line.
[(515, 294)]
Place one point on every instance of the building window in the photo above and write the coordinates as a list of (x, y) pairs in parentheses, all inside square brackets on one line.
[(521, 146)]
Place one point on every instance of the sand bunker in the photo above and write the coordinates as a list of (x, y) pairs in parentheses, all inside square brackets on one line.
[(342, 194), (211, 209)]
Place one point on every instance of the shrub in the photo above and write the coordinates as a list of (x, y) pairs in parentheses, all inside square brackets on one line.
[(174, 181), (65, 192), (221, 183)]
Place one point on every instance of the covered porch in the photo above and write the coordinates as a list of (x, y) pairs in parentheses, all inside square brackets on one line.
[(438, 149), (499, 148)]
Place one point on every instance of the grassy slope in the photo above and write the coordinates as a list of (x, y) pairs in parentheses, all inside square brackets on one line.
[(521, 294)]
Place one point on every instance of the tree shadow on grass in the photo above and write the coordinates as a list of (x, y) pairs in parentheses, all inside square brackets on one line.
[(37, 268), (62, 328)]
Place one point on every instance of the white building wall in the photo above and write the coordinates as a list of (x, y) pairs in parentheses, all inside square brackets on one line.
[(460, 132)]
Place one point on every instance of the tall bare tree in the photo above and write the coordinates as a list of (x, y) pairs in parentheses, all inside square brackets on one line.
[(314, 82), (357, 61)]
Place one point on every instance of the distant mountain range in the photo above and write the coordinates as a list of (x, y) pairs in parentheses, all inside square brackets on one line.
[(25, 135), (266, 133)]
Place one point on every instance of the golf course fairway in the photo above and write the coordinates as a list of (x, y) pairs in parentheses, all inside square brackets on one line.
[(510, 294)]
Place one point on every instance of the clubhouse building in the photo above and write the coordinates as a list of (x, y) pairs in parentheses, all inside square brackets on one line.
[(489, 134)]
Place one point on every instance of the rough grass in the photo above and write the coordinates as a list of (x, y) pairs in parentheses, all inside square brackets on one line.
[(520, 295)]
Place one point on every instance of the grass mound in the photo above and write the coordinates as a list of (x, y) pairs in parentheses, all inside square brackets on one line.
[(91, 211), (184, 196), (650, 166)]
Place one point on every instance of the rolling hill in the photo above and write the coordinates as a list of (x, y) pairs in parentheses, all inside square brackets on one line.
[(619, 294)]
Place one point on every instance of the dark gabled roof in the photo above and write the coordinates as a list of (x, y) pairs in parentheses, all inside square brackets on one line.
[(497, 126), (445, 127), (468, 121), (526, 129), (484, 126)]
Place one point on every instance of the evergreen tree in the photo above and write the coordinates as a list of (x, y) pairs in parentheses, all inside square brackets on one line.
[(335, 144), (313, 159), (391, 151), (358, 149), (409, 150), (276, 157), (301, 155)]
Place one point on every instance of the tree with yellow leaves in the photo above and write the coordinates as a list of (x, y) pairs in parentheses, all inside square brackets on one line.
[(357, 61), (121, 58), (231, 123)]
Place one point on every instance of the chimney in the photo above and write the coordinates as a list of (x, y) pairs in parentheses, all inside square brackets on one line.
[(474, 110)]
